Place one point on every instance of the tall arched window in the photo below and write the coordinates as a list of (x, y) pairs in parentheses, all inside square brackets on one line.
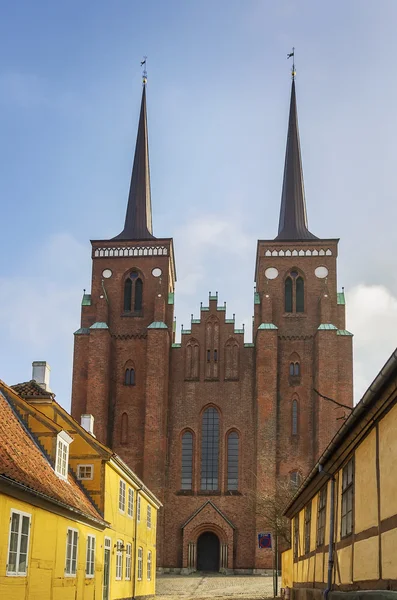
[(288, 295), (300, 295), (210, 450), (124, 429), (294, 369), (129, 377), (133, 293), (232, 461), (138, 294), (127, 294), (187, 461), (294, 428)]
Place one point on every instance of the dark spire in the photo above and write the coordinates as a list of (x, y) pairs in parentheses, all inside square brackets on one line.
[(293, 219), (138, 219)]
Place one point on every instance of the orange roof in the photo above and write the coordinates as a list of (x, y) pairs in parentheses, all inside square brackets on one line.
[(23, 462), (30, 389)]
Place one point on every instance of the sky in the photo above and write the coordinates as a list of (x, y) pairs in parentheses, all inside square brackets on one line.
[(218, 95)]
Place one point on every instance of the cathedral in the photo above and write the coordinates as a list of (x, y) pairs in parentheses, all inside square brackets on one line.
[(211, 423)]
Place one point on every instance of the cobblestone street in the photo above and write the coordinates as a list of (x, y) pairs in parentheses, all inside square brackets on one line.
[(171, 587)]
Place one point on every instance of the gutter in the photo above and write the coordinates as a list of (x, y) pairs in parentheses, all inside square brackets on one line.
[(369, 396), (136, 544)]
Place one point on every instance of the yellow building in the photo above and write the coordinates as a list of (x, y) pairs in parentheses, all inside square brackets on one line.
[(75, 521), (344, 516)]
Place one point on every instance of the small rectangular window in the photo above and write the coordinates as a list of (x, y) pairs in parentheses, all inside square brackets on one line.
[(130, 508), (140, 565), (71, 551), (18, 543), (308, 520), (149, 565), (347, 499), (85, 472), (138, 509), (322, 505), (128, 562), (122, 496), (90, 557), (119, 559), (149, 517)]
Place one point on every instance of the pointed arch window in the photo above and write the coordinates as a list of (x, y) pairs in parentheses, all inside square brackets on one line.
[(294, 369), (192, 358), (231, 359), (124, 428), (232, 460), (212, 344), (133, 293), (187, 461), (210, 450), (129, 377), (294, 293), (294, 428)]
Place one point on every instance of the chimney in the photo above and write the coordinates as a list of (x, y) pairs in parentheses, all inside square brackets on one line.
[(87, 422), (41, 374)]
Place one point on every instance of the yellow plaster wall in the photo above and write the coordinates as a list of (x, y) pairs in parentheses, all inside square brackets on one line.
[(365, 562), (287, 568), (387, 463), (365, 492), (313, 524), (389, 547), (344, 557)]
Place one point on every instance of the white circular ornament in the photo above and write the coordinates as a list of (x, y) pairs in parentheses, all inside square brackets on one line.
[(271, 273), (106, 273), (156, 272), (321, 272)]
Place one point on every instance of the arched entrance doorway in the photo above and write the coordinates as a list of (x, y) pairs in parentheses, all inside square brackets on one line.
[(208, 552)]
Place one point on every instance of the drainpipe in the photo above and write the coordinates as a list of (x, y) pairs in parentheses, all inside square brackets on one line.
[(136, 544), (331, 540)]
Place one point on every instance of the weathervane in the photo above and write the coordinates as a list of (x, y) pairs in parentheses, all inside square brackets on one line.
[(144, 72), (293, 72)]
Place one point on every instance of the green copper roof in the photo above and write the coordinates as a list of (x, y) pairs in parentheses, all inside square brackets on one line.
[(221, 308), (99, 325), (204, 307), (176, 345), (170, 297), (157, 325), (257, 299), (239, 331), (267, 326), (214, 297), (249, 345), (188, 331), (196, 321), (82, 331), (340, 297), (86, 301), (230, 321), (343, 332), (326, 326)]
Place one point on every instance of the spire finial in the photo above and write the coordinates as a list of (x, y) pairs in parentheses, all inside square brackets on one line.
[(144, 72), (292, 54)]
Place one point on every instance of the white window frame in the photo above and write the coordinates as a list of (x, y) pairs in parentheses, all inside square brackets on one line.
[(62, 462), (130, 504), (90, 557), (128, 558), (75, 536), (149, 565), (18, 573), (138, 509), (119, 560), (122, 488), (140, 563), (84, 466), (149, 516)]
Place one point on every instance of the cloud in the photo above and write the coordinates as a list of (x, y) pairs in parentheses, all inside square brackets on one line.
[(372, 317)]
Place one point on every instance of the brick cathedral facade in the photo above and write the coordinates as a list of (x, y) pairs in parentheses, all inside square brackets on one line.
[(211, 423)]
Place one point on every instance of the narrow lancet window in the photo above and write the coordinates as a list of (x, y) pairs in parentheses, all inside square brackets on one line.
[(127, 295), (129, 378), (138, 295), (294, 417), (232, 461), (187, 461), (210, 450), (300, 295), (288, 294)]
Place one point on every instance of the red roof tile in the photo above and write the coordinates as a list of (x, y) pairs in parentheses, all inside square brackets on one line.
[(30, 389), (22, 461)]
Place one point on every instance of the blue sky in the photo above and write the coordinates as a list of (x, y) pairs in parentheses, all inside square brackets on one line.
[(218, 94)]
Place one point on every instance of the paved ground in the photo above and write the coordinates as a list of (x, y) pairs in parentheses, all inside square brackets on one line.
[(196, 586)]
